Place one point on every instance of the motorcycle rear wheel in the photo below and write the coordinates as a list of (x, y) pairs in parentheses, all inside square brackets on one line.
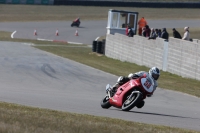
[(131, 102), (105, 103)]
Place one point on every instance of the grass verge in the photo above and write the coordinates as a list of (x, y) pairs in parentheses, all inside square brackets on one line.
[(13, 13), (21, 119)]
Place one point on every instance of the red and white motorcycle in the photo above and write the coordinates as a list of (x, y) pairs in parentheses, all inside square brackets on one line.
[(129, 95)]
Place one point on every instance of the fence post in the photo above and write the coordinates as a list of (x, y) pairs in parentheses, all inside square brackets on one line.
[(165, 55)]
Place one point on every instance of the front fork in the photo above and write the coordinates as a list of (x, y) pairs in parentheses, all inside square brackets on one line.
[(108, 89), (109, 94)]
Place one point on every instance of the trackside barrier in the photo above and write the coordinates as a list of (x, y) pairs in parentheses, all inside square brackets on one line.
[(32, 2), (128, 4), (176, 56), (94, 46), (99, 46), (2, 1)]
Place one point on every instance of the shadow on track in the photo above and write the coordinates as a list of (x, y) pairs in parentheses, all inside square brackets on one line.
[(78, 27), (157, 114)]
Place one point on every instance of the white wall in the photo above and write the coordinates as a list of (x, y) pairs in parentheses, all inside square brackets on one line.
[(176, 56), (184, 58)]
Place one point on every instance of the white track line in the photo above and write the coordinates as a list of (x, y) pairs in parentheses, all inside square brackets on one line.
[(96, 38), (40, 39), (74, 43), (30, 44), (12, 35), (44, 39)]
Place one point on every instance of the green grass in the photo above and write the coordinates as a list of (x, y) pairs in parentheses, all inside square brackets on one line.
[(20, 119), (12, 13)]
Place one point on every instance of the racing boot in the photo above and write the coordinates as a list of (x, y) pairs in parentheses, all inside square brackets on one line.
[(140, 104), (114, 89), (120, 81)]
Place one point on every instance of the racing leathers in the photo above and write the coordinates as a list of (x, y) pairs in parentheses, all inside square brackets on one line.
[(77, 20)]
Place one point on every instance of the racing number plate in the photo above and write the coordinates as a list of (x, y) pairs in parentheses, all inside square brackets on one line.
[(147, 85)]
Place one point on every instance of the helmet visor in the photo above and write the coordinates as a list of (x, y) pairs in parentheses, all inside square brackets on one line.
[(155, 76)]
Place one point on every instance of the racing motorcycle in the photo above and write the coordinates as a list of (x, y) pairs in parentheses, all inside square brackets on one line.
[(129, 95), (75, 23)]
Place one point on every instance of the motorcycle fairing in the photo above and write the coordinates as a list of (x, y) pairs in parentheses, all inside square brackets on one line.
[(117, 99)]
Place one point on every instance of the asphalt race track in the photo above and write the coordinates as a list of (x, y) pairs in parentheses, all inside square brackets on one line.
[(36, 78)]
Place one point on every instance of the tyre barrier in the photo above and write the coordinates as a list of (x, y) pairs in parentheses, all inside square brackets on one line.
[(99, 47), (94, 46)]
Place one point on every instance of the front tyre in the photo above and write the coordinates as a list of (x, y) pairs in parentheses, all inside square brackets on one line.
[(131, 102), (105, 102)]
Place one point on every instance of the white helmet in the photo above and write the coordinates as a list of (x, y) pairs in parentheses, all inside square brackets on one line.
[(154, 72)]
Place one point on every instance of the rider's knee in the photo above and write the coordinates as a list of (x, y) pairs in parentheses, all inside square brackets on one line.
[(121, 80)]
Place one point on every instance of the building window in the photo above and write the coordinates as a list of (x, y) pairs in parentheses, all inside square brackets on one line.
[(132, 20), (123, 20)]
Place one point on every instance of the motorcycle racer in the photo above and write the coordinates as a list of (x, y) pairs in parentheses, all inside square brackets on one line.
[(152, 75), (77, 20)]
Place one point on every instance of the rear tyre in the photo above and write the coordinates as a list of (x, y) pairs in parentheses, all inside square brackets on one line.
[(132, 102), (105, 103)]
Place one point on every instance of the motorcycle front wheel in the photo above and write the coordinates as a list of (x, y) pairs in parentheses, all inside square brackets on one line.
[(105, 102), (131, 102)]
